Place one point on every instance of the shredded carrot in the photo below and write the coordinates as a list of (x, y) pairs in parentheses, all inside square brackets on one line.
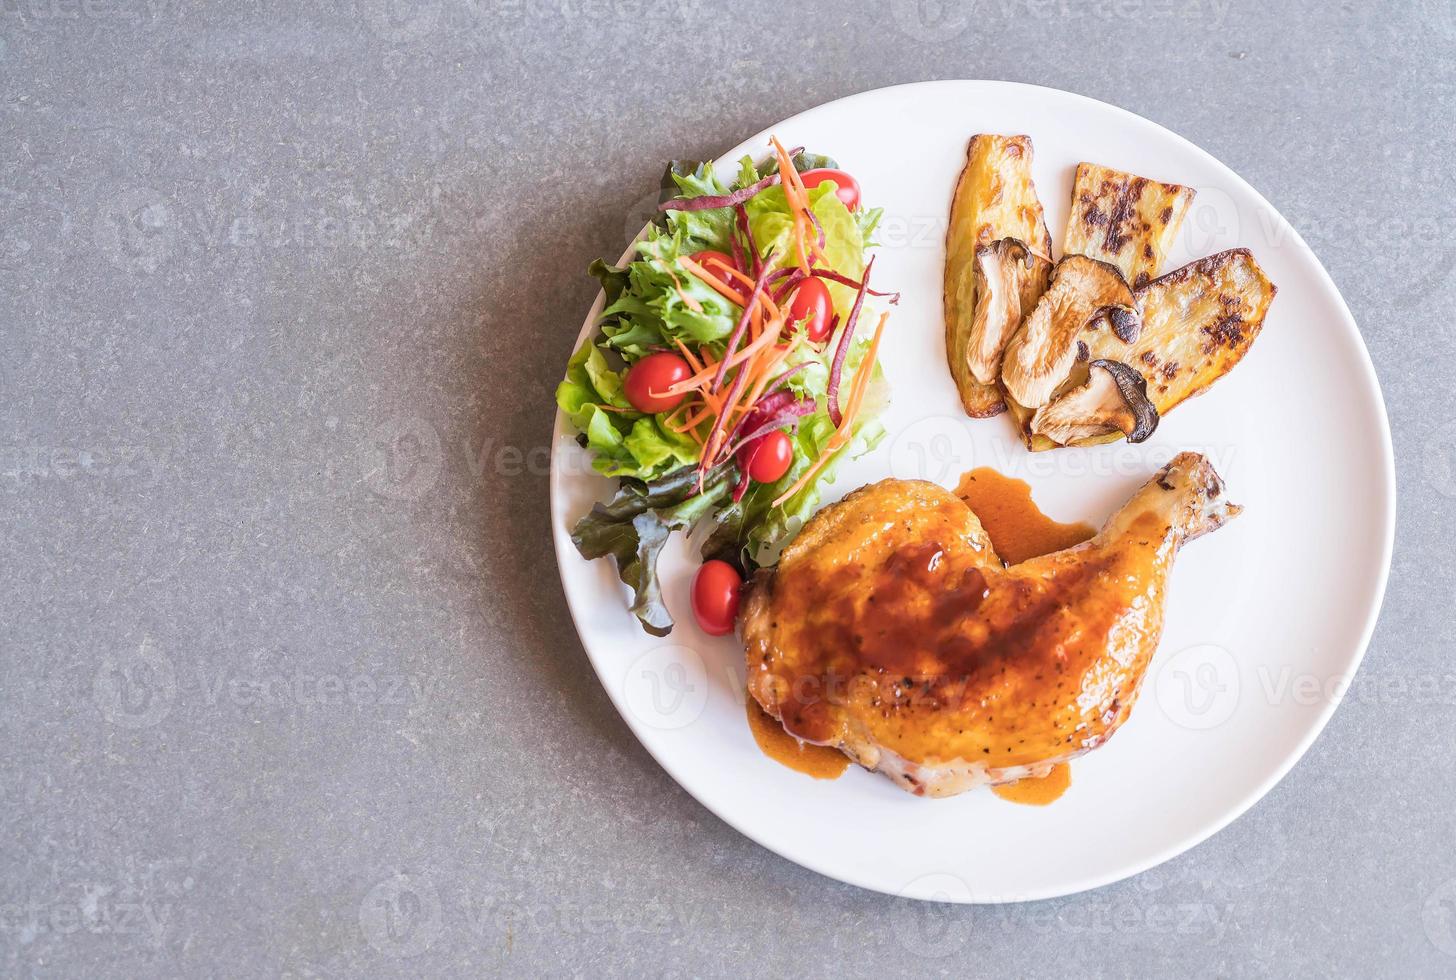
[(769, 335), (733, 273), (726, 291), (862, 379), (688, 301), (764, 300), (676, 423), (713, 402), (798, 201), (840, 439), (693, 362), (735, 393), (692, 433), (718, 263), (700, 418), (766, 369)]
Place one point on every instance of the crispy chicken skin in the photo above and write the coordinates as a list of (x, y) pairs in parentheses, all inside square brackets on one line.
[(891, 630)]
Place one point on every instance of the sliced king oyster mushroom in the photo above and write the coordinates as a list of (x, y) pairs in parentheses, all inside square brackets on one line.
[(1114, 399), (1010, 278), (1040, 356)]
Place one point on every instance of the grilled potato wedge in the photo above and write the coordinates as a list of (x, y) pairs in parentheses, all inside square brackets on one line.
[(995, 199), (1198, 322), (1124, 219)]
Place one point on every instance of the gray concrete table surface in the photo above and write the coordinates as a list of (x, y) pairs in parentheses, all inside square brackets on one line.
[(277, 700)]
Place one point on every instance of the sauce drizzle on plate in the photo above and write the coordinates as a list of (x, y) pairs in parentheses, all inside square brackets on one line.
[(819, 761), (1037, 792), (1018, 528)]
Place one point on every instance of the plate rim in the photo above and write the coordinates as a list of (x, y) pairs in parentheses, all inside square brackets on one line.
[(1388, 487)]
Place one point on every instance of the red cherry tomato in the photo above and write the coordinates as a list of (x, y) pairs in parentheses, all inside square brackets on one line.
[(648, 380), (769, 456), (715, 597), (846, 187), (701, 258), (811, 299)]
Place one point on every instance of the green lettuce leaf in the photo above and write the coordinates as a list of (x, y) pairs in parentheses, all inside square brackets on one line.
[(663, 301), (768, 216), (804, 161), (634, 525), (623, 442)]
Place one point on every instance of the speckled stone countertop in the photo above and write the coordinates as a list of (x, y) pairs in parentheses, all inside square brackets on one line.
[(287, 682)]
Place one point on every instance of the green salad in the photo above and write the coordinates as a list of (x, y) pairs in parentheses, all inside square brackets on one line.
[(734, 366)]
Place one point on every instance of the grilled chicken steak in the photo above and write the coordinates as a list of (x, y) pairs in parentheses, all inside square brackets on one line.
[(890, 630)]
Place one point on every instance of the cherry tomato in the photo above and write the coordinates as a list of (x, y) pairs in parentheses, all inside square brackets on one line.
[(846, 187), (769, 456), (811, 299), (648, 380), (701, 258), (715, 597)]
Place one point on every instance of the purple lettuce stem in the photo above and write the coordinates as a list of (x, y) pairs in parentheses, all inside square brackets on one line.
[(785, 376), (710, 201), (844, 280), (741, 219), (738, 331), (818, 228), (832, 391)]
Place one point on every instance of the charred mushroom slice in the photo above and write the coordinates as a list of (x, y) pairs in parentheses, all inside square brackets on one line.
[(1114, 399), (1124, 219), (995, 198), (1040, 356), (1010, 278)]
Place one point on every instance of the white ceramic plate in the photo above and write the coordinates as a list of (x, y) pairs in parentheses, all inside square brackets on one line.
[(1266, 620)]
